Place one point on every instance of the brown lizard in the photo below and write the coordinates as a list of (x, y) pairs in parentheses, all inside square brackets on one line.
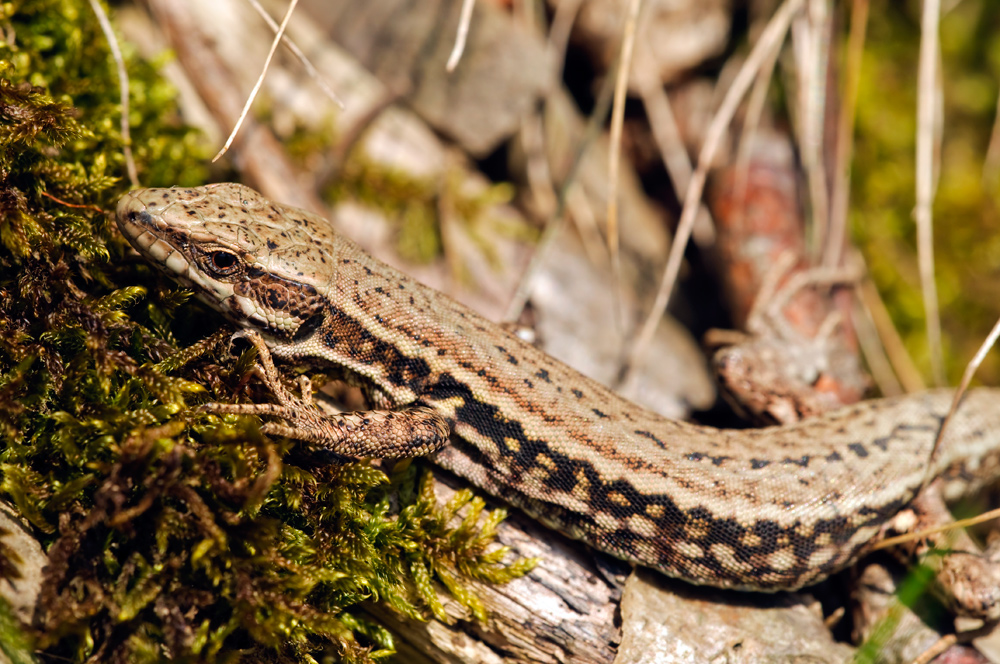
[(765, 509)]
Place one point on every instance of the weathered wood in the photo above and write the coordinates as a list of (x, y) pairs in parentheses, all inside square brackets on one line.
[(565, 610), (505, 71)]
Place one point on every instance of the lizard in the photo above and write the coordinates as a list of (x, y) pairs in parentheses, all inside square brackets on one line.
[(768, 509)]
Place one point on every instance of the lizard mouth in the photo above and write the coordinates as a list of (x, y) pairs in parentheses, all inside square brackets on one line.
[(140, 219), (136, 223), (150, 236), (156, 223)]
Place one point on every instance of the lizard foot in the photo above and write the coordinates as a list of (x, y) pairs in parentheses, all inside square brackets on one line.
[(386, 434)]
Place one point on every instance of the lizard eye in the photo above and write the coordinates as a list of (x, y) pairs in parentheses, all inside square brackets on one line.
[(221, 263)]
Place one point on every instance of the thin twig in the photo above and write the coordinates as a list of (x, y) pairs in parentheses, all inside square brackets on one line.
[(902, 363), (970, 371), (845, 135), (464, 21), (672, 151), (562, 24), (72, 205), (751, 121), (873, 350), (536, 166), (116, 53), (944, 642), (951, 525), (926, 122), (775, 31), (614, 151), (554, 225), (991, 164), (584, 218), (297, 52), (260, 79), (772, 278), (809, 36), (815, 277)]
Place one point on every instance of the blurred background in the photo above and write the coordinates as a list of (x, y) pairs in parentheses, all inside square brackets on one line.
[(789, 204)]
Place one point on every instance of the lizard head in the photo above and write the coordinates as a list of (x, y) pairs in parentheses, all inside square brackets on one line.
[(255, 261)]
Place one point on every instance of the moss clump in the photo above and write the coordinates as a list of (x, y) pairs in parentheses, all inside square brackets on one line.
[(171, 534), (967, 247), (415, 205)]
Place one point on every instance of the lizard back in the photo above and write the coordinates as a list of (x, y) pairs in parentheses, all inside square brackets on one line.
[(764, 509)]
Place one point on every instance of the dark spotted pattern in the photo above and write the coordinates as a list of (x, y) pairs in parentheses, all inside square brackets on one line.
[(300, 305), (347, 336), (756, 509)]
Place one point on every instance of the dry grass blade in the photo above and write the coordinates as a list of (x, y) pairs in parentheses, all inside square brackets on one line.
[(554, 225), (920, 534), (901, 361), (671, 146), (927, 123), (751, 120), (562, 24), (775, 32), (810, 37), (537, 171), (872, 349), (260, 79), (464, 21), (991, 164), (297, 52), (970, 371), (116, 53), (845, 135), (614, 152)]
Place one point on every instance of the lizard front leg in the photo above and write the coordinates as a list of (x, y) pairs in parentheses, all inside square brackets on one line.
[(410, 431)]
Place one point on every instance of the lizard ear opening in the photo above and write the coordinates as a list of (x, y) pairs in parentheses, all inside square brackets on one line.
[(307, 327)]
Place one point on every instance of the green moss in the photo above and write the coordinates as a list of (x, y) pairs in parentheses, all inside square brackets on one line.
[(14, 643), (967, 248), (171, 534), (912, 593), (402, 198), (415, 205)]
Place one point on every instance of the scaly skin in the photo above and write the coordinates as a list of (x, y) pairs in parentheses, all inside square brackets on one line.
[(764, 509)]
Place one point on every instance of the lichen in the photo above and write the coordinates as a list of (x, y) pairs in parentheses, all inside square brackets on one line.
[(171, 534), (415, 206)]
